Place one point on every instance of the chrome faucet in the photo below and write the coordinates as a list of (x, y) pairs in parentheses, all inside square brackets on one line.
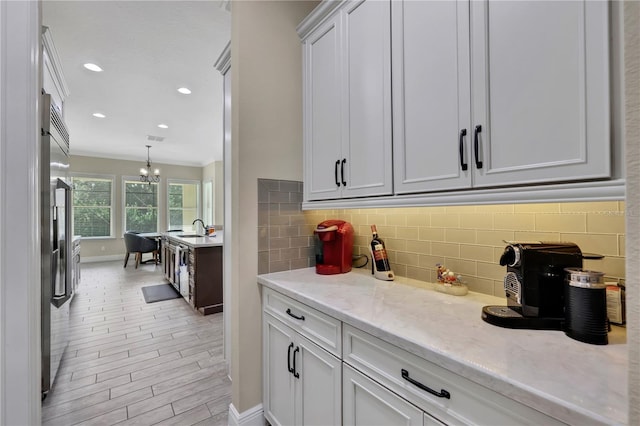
[(204, 227)]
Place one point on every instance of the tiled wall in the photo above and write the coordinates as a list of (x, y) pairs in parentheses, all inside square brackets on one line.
[(284, 241), (469, 239)]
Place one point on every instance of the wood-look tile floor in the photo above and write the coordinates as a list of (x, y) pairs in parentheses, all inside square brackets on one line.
[(133, 363)]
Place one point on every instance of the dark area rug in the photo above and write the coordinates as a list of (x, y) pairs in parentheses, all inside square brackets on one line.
[(158, 293)]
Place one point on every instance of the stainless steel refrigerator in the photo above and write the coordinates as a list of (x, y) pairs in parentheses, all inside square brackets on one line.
[(56, 235)]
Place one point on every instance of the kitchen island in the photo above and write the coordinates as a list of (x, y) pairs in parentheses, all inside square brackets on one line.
[(567, 380), (193, 265)]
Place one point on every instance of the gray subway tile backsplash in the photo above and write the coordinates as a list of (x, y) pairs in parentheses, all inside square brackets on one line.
[(283, 239)]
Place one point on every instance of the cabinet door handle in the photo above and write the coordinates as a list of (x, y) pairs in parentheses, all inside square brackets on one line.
[(295, 373), (405, 375), (335, 172), (475, 145), (344, 160), (289, 358), (301, 317), (463, 133)]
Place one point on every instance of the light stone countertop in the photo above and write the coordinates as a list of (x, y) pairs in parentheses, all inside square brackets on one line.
[(574, 382), (195, 242)]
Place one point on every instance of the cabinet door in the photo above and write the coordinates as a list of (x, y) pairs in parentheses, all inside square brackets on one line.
[(540, 91), (431, 95), (321, 113), (367, 403), (367, 100), (278, 382), (319, 398)]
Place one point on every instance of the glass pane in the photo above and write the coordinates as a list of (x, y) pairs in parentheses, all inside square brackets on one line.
[(92, 221), (175, 196), (183, 205), (139, 194), (141, 219), (92, 206)]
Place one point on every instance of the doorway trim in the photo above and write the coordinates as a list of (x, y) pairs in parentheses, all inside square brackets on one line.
[(20, 82)]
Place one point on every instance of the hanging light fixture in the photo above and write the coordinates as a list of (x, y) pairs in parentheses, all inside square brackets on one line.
[(145, 173)]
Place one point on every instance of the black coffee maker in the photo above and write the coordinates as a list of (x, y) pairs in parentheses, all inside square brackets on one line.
[(534, 285)]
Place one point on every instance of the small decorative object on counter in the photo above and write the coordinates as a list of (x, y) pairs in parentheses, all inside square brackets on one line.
[(380, 267), (449, 282), (615, 303), (211, 231)]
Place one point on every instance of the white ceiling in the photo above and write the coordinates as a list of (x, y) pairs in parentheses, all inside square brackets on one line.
[(147, 50)]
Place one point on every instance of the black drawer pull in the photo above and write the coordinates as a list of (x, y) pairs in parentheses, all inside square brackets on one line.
[(475, 145), (289, 358), (344, 183), (301, 317), (295, 373), (405, 375), (463, 133), (335, 172)]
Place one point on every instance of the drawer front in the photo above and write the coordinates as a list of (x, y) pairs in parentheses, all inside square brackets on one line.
[(468, 402), (366, 403), (320, 328)]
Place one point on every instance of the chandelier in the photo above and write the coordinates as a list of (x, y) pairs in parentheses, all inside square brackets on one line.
[(145, 173)]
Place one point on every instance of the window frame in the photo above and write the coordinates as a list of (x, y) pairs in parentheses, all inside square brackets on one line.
[(136, 179), (198, 184), (112, 225)]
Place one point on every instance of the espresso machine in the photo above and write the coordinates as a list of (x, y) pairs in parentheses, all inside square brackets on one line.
[(534, 285), (334, 247)]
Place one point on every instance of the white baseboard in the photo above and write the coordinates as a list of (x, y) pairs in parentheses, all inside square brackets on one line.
[(92, 259), (251, 417)]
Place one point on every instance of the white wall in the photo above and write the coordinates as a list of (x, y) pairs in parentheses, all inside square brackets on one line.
[(266, 132)]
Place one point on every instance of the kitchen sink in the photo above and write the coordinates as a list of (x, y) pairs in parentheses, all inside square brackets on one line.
[(190, 235)]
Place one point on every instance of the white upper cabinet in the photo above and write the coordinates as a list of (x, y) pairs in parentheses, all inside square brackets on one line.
[(492, 101), (322, 113), (53, 81), (431, 87), (540, 79), (347, 103)]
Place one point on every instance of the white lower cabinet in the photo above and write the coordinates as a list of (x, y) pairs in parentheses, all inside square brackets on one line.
[(318, 370), (367, 403), (302, 381)]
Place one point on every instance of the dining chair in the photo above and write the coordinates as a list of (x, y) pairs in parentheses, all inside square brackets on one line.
[(134, 243)]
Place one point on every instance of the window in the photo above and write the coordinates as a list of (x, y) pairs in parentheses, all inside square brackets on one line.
[(92, 206), (140, 206), (184, 203)]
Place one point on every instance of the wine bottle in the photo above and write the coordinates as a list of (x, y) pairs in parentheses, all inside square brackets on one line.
[(380, 267)]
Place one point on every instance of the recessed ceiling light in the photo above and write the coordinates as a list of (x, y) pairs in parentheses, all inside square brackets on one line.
[(184, 91), (99, 115), (93, 67), (163, 126)]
